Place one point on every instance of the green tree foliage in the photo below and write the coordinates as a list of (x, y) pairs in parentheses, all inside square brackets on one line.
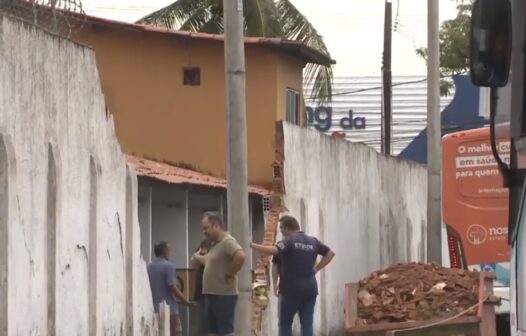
[(454, 46)]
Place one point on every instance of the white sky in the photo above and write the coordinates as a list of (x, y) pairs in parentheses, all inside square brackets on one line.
[(352, 29)]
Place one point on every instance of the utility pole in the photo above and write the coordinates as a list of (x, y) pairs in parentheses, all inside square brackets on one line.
[(434, 197), (387, 81), (237, 197)]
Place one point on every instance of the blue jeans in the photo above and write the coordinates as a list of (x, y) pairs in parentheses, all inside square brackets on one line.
[(304, 307), (220, 311)]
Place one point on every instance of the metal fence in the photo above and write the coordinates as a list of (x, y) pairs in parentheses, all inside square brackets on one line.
[(61, 17)]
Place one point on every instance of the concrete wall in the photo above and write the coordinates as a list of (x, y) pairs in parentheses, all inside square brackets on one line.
[(370, 209), (70, 239)]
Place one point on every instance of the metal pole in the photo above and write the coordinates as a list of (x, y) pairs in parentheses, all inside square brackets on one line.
[(434, 210), (387, 80), (237, 198)]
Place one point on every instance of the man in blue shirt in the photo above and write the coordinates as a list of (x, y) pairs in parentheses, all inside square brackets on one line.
[(298, 254), (163, 281), (276, 267)]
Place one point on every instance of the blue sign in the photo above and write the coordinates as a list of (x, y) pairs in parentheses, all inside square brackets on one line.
[(489, 268), (321, 118)]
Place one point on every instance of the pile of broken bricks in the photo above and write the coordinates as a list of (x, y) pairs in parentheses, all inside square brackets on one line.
[(416, 292)]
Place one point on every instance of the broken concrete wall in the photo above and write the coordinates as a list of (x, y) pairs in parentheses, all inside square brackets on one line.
[(369, 208), (69, 235)]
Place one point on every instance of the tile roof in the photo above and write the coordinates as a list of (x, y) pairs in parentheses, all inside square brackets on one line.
[(171, 174), (296, 48)]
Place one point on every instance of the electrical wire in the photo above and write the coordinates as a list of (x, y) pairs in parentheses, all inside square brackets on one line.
[(405, 31), (373, 88)]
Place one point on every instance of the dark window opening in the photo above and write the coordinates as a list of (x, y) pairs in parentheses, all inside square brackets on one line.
[(192, 76), (293, 102)]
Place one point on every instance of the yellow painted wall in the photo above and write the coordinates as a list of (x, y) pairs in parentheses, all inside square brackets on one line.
[(157, 117), (290, 76)]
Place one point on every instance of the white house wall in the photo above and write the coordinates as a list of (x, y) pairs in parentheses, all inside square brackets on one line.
[(370, 209), (145, 220), (71, 265), (169, 221)]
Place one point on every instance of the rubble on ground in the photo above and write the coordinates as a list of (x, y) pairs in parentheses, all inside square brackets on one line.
[(416, 292)]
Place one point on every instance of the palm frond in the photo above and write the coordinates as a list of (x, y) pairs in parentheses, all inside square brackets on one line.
[(261, 18), (174, 16), (319, 79), (196, 20), (214, 25), (297, 27)]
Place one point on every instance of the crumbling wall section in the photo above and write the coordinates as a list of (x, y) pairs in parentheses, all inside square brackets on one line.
[(70, 241)]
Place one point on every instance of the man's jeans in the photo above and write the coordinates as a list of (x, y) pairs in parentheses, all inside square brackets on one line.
[(289, 306)]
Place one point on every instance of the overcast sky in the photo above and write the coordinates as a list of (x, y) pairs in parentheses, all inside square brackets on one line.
[(352, 29)]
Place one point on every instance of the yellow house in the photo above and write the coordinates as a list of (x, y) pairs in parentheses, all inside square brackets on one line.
[(166, 92)]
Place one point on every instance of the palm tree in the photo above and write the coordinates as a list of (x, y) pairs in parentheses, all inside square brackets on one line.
[(263, 18)]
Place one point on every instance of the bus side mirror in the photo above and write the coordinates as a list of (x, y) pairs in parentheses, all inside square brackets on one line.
[(490, 54)]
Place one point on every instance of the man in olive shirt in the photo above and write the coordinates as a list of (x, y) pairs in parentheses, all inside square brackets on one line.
[(222, 263)]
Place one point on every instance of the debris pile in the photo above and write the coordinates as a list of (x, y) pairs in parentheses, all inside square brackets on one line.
[(416, 292)]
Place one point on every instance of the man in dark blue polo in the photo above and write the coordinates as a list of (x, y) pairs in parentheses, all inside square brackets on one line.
[(298, 254)]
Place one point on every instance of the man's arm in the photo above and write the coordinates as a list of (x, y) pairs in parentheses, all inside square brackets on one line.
[(178, 295), (265, 249), (325, 260), (275, 278), (238, 259), (196, 263), (198, 260), (327, 254), (171, 279)]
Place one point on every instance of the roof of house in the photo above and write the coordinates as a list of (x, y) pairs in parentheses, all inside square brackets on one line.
[(291, 47), (172, 174), (295, 48)]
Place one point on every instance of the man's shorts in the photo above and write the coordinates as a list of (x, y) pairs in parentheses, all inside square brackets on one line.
[(220, 310), (176, 328)]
